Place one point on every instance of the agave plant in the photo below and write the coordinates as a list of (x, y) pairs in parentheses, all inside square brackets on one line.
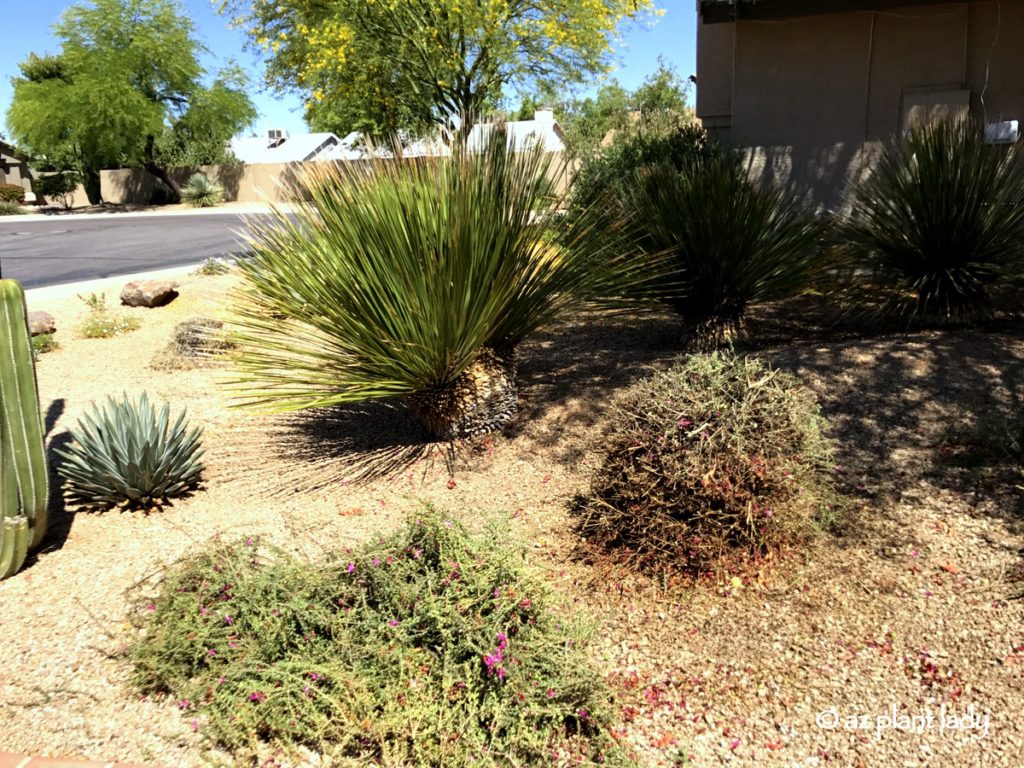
[(723, 242), (200, 192), (128, 452), (941, 222), (413, 279)]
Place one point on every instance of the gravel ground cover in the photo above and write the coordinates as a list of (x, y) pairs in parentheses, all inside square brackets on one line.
[(913, 606)]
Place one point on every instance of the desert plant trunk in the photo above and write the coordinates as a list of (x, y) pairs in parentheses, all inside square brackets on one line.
[(91, 184), (159, 172), (482, 399)]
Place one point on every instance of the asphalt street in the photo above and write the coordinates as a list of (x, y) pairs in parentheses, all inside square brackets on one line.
[(66, 250)]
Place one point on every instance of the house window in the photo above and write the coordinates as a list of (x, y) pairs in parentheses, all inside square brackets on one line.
[(927, 105)]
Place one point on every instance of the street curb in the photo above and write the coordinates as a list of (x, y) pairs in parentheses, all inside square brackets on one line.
[(242, 210), (63, 290)]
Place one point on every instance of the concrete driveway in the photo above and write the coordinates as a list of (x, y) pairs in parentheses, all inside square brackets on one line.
[(68, 249)]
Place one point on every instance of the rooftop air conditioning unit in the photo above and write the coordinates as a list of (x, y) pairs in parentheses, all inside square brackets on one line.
[(276, 137)]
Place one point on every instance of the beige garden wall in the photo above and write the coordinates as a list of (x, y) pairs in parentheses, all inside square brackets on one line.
[(270, 182), (812, 99)]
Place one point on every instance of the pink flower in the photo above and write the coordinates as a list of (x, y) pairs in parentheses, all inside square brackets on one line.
[(376, 562), (393, 623), (257, 696), (228, 620), (195, 726), (550, 693), (150, 607), (351, 568), (184, 704), (685, 422), (211, 652)]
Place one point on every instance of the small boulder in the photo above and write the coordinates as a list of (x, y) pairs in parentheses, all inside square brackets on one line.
[(149, 293), (41, 323)]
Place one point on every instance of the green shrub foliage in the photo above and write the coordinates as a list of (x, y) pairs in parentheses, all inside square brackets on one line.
[(57, 187), (940, 223), (714, 458), (129, 452), (12, 193), (431, 647), (606, 176), (10, 209), (722, 242), (200, 192)]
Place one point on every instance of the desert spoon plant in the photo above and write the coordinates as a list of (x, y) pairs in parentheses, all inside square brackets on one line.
[(414, 279), (23, 476)]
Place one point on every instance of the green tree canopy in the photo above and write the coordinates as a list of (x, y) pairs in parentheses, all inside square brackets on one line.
[(387, 65), (126, 89), (659, 103)]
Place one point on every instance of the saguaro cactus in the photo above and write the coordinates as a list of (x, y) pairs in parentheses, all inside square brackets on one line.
[(23, 478)]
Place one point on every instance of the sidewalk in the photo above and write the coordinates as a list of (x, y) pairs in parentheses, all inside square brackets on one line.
[(11, 760)]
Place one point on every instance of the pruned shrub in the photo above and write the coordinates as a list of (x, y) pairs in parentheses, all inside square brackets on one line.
[(715, 459), (431, 647), (43, 343), (128, 452), (12, 193), (200, 192), (57, 187), (8, 208), (940, 223)]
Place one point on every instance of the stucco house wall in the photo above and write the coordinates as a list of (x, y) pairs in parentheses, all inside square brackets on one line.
[(13, 170), (812, 92)]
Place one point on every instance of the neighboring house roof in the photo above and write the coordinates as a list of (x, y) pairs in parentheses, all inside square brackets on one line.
[(284, 148), (522, 134)]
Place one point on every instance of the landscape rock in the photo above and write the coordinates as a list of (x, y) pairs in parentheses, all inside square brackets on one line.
[(149, 293), (40, 323)]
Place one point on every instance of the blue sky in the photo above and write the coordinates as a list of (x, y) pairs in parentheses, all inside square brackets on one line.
[(673, 36)]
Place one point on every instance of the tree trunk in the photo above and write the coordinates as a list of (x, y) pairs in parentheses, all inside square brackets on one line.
[(159, 172), (91, 183), (482, 399)]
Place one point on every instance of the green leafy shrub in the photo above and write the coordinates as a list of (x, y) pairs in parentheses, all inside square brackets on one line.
[(431, 647), (411, 279), (716, 458), (940, 223), (989, 439), (43, 343), (606, 176), (12, 193), (101, 322), (200, 192), (722, 243), (10, 208), (128, 452), (59, 187)]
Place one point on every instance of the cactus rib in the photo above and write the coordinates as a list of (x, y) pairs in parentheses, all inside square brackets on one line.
[(23, 476)]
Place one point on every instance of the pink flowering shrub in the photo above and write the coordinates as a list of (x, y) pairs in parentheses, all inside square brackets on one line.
[(716, 457), (431, 647)]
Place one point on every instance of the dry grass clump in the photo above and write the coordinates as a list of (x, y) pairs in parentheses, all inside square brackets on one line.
[(716, 457)]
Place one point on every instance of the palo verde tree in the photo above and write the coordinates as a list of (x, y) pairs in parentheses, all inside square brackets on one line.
[(385, 65), (126, 89)]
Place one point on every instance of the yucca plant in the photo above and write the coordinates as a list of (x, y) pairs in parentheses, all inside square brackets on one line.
[(941, 222), (200, 192), (414, 279), (129, 452), (723, 242)]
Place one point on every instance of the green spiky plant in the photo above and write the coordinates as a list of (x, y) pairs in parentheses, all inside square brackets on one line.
[(129, 453), (23, 476), (411, 279), (200, 192), (723, 241), (941, 222)]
